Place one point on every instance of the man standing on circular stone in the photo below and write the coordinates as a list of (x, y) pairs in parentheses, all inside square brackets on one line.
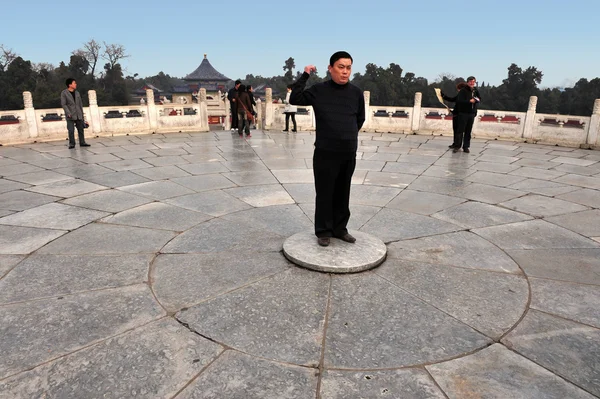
[(339, 109)]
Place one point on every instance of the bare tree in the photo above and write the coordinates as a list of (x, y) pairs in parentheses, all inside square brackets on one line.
[(39, 66), (7, 56), (91, 52), (113, 53)]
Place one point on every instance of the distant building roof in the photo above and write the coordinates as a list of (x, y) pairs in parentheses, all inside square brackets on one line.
[(206, 72)]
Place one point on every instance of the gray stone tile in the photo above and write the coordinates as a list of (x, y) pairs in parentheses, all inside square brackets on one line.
[(495, 167), (18, 169), (574, 161), (494, 179), (476, 214), (204, 182), (406, 383), (372, 195), (422, 202), (136, 154), (374, 324), (576, 265), (215, 203), (91, 158), (534, 163), (152, 361), (83, 171), (157, 215), (238, 376), (109, 239), (183, 280), (16, 240), (578, 170), (438, 185), (376, 156), (166, 160), (21, 200), (449, 173), (36, 332), (542, 187), (116, 179), (577, 302), (489, 302), (540, 156), (157, 190), (43, 177), (126, 164), (251, 178), (41, 276), (541, 206), (259, 196), (107, 200), (585, 223), (280, 317), (67, 188), (285, 164), (534, 234), (359, 214), (375, 166), (294, 176), (405, 167), (497, 159), (7, 262), (204, 168), (162, 172), (462, 249), (583, 196), (53, 216), (240, 166), (302, 192), (9, 185), (496, 372), (569, 349), (487, 193), (399, 180), (392, 225), (582, 181), (284, 220), (417, 159), (536, 173)]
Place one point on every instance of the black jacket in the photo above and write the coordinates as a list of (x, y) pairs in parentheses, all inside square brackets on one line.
[(463, 101)]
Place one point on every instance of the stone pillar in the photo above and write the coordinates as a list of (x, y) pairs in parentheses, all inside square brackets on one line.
[(204, 115), (368, 113), (416, 113), (152, 112), (30, 115), (529, 123), (593, 137), (94, 118), (259, 114), (227, 114), (268, 108), (202, 96)]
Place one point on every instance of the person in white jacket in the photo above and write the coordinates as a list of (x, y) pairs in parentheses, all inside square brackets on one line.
[(290, 111)]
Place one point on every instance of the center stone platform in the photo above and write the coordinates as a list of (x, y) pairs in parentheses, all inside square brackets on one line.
[(339, 257)]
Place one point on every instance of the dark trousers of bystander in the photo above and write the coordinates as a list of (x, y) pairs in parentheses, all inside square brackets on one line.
[(71, 124), (464, 127), (234, 116), (333, 176)]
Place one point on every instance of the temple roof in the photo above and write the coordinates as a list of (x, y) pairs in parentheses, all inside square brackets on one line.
[(206, 72)]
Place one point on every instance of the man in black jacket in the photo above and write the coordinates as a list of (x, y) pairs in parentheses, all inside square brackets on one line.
[(339, 109), (465, 111), (231, 95)]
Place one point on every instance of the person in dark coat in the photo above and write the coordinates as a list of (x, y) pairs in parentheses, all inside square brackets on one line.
[(244, 106), (465, 110), (454, 112), (231, 95), (71, 103)]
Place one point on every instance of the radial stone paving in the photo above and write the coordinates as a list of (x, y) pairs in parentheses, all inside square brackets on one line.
[(164, 266)]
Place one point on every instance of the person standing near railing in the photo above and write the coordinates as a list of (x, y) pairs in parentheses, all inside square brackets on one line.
[(290, 111), (466, 109), (71, 103)]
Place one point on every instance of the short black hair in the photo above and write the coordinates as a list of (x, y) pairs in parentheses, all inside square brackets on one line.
[(237, 82), (69, 81), (337, 55), (471, 78), (248, 88), (290, 86), (242, 88)]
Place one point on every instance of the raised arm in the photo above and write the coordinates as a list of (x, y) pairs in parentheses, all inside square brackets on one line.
[(299, 95)]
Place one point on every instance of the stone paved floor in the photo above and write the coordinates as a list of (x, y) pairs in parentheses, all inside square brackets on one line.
[(151, 266)]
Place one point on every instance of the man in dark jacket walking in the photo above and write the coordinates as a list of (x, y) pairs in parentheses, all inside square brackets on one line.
[(71, 103), (465, 111), (339, 109), (231, 96)]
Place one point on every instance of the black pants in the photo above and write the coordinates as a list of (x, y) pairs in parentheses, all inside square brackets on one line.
[(332, 184), (464, 125), (234, 117), (71, 129), (243, 123), (287, 120)]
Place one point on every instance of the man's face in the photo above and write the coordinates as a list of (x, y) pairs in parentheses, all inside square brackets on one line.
[(237, 86), (471, 83), (341, 71), (73, 85)]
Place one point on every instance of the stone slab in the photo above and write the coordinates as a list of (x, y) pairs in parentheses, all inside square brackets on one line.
[(498, 373), (83, 171), (494, 179), (586, 223), (162, 172), (204, 168), (107, 200), (215, 203), (583, 196), (53, 216), (543, 187), (405, 383), (491, 303), (476, 214), (374, 324), (20, 200), (387, 179), (16, 240), (9, 185), (156, 215), (7, 262), (157, 190), (235, 375), (36, 332), (117, 179), (259, 196), (251, 178), (569, 349), (339, 257), (67, 188), (541, 206), (280, 317), (487, 193), (422, 202), (126, 164), (156, 360), (40, 177), (204, 182), (284, 220)]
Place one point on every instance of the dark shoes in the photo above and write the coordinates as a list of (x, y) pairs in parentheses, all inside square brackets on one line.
[(451, 146), (455, 150), (85, 145), (285, 130), (348, 238), (324, 241), (466, 150), (71, 146), (293, 130)]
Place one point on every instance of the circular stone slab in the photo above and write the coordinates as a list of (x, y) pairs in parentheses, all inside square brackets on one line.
[(339, 257)]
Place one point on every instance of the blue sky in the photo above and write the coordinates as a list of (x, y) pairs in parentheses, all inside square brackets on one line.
[(428, 38)]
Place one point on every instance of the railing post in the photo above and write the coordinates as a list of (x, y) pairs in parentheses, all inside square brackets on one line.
[(594, 128), (368, 113), (152, 111), (416, 113), (227, 114), (94, 121), (268, 108), (259, 114), (529, 123), (30, 115)]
